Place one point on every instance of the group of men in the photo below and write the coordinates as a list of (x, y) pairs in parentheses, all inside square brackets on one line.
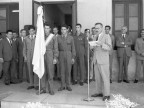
[(66, 50)]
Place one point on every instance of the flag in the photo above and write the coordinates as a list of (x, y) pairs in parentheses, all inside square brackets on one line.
[(40, 48)]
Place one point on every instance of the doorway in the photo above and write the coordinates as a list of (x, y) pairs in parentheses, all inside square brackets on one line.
[(128, 13), (9, 17), (57, 13)]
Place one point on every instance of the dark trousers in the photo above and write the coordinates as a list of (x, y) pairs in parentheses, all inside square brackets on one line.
[(123, 67), (65, 68), (9, 69), (20, 68), (110, 64), (47, 79), (139, 64), (79, 63)]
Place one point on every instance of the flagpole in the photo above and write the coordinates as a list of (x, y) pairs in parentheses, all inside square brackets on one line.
[(39, 86), (88, 99)]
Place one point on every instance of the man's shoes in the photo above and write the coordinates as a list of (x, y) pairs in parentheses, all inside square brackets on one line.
[(126, 81), (90, 80), (86, 81), (97, 95), (135, 81), (106, 98), (36, 87), (110, 81), (61, 88), (59, 79), (69, 88), (119, 81), (30, 87), (41, 91), (81, 83), (74, 82), (7, 83), (51, 92)]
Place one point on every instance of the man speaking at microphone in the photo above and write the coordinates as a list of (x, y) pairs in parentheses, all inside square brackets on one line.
[(101, 63)]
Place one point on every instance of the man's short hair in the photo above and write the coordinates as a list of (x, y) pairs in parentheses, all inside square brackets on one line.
[(9, 31), (22, 30), (78, 24), (31, 27), (93, 28), (108, 26), (47, 24), (55, 27), (87, 30), (64, 25), (142, 30), (99, 24)]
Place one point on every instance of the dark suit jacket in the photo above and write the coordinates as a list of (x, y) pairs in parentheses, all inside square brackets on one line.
[(20, 45), (81, 44), (126, 47), (8, 52)]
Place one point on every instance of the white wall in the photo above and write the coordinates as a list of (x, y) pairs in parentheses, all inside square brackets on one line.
[(25, 14), (91, 11)]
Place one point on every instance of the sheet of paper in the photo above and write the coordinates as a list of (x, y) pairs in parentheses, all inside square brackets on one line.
[(94, 43)]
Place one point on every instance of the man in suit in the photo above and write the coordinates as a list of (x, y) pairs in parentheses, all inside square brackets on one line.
[(29, 43), (107, 31), (81, 44), (8, 55), (51, 56), (20, 45), (57, 68), (101, 63), (123, 43), (67, 54), (139, 49)]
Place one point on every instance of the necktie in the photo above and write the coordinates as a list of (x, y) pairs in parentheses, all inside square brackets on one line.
[(123, 36), (10, 42)]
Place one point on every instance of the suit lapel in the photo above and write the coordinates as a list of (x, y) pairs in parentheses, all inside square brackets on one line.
[(100, 37), (8, 42)]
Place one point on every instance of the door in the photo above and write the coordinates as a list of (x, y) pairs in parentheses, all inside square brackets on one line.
[(128, 13), (9, 17), (51, 20)]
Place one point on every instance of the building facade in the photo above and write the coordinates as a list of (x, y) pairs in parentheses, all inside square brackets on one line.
[(87, 12)]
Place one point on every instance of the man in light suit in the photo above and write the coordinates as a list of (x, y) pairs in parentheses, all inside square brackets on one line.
[(29, 44), (101, 63), (139, 49), (8, 55), (123, 43), (107, 31)]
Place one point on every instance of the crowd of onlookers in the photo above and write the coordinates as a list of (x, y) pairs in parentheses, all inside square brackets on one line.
[(67, 56)]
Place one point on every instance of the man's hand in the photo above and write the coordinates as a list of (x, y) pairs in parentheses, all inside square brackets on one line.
[(98, 43), (72, 61), (1, 60), (122, 43), (25, 59), (54, 61), (142, 54)]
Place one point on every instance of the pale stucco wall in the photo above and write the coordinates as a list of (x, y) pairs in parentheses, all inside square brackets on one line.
[(91, 11)]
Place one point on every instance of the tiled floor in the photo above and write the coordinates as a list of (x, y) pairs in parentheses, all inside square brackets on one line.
[(15, 96)]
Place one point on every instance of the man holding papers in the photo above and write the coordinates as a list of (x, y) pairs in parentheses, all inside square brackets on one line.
[(102, 46)]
